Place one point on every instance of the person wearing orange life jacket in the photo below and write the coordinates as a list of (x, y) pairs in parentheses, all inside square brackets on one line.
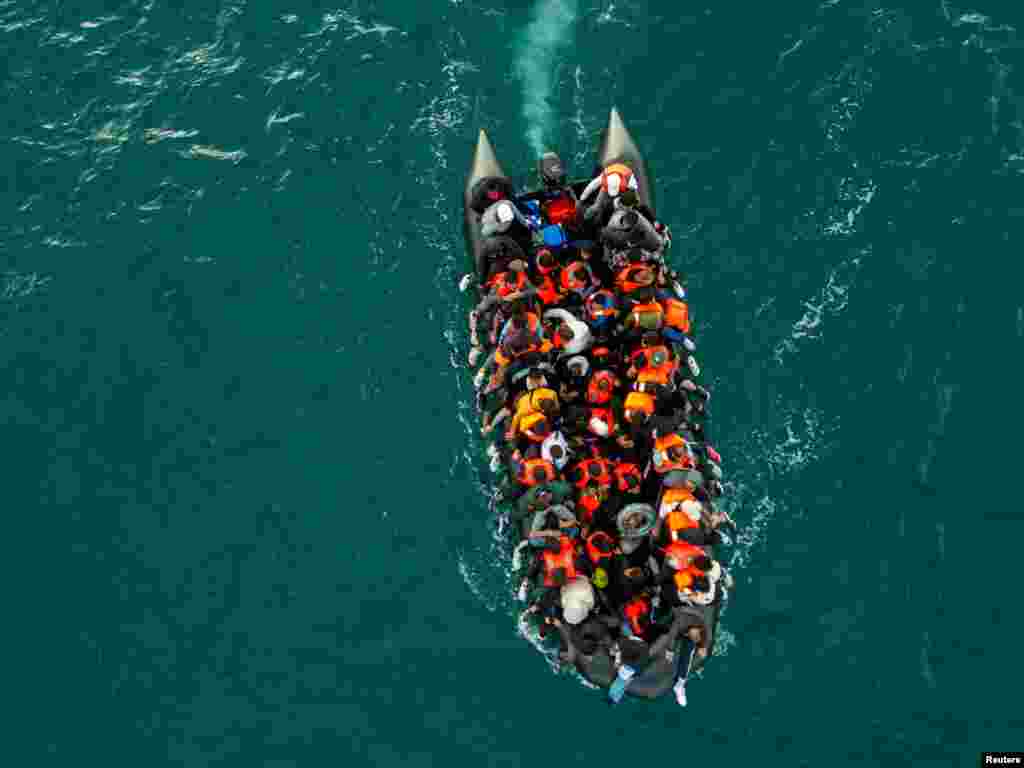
[(601, 386), (549, 525), (642, 318), (671, 452), (635, 283), (577, 281), (613, 181), (628, 477), (597, 470), (654, 369), (531, 469)]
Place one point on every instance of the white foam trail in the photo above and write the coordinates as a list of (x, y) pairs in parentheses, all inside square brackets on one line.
[(549, 29)]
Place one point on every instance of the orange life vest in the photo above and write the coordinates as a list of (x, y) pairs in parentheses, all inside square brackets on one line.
[(683, 580), (508, 282), (624, 172), (563, 559), (654, 374), (623, 470), (594, 393), (662, 462), (595, 554), (548, 291), (625, 279), (607, 415), (571, 283), (594, 469), (561, 210), (589, 503), (638, 401), (634, 610), (648, 315), (525, 476), (677, 314), (677, 523), (683, 553), (674, 496)]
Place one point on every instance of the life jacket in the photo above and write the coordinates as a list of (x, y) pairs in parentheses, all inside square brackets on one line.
[(597, 469), (682, 552), (548, 291), (623, 470), (526, 478), (594, 393), (683, 580), (662, 462), (508, 282), (529, 402), (595, 554), (625, 173), (528, 422), (596, 309), (634, 610), (626, 282), (677, 314), (604, 415), (570, 283), (589, 503), (672, 497), (561, 210), (564, 558), (678, 522), (650, 316), (638, 401), (654, 374)]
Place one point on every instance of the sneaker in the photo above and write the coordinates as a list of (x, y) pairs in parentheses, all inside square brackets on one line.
[(680, 690)]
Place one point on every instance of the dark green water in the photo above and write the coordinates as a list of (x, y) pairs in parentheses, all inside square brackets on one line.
[(248, 521)]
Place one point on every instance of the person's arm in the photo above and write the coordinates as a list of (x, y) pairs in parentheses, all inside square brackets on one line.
[(568, 653), (590, 189)]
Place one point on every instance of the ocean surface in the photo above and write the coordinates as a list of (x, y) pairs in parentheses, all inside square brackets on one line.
[(248, 512)]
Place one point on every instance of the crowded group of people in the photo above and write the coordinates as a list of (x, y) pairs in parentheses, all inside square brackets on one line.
[(589, 387)]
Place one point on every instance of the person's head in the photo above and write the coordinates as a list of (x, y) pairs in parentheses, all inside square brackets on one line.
[(676, 452), (692, 509), (577, 597), (579, 273), (635, 255), (701, 584), (539, 475), (548, 406), (552, 172), (702, 563), (517, 265), (542, 428), (556, 452), (659, 358), (632, 483), (604, 384), (629, 198), (644, 276), (535, 379), (544, 496), (565, 332), (546, 260), (559, 577), (576, 474), (650, 338), (600, 578)]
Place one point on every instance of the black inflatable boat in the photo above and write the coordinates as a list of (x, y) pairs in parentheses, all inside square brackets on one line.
[(616, 146)]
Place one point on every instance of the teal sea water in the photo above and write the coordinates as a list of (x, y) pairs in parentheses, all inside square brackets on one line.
[(248, 517)]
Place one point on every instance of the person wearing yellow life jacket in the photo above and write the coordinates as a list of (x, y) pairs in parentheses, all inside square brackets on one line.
[(638, 408), (531, 408)]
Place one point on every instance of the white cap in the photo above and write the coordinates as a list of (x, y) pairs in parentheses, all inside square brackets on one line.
[(692, 509), (599, 427), (614, 184), (577, 600), (505, 214)]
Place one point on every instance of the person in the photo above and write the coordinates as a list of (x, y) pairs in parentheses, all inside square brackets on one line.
[(577, 281), (530, 470), (601, 311), (577, 600), (576, 335), (628, 229), (556, 450), (504, 218), (550, 524), (541, 497), (613, 181), (489, 190), (635, 282)]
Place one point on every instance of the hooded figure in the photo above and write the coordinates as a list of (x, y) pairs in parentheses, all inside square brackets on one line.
[(577, 600)]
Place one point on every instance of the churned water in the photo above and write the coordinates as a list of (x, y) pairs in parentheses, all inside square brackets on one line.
[(249, 522)]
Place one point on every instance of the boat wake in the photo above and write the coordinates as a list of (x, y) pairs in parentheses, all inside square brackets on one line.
[(549, 29)]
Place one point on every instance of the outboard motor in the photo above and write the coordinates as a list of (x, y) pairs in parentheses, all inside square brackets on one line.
[(552, 172)]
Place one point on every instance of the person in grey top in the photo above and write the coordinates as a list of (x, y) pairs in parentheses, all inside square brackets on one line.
[(626, 228), (504, 218)]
